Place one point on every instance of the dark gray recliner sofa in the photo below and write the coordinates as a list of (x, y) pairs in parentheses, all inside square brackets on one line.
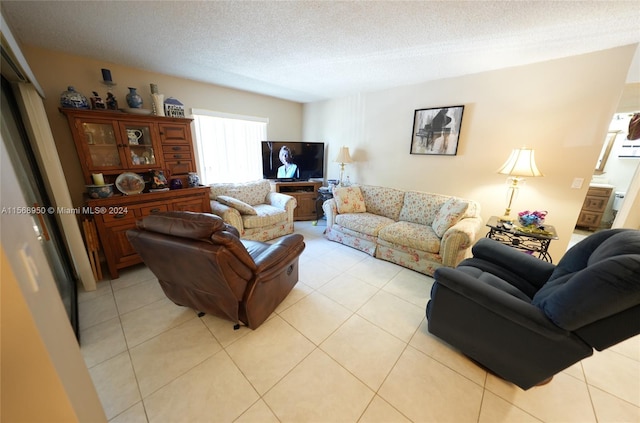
[(525, 319)]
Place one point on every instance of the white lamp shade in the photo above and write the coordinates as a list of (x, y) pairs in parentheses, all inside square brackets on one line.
[(343, 156), (521, 162)]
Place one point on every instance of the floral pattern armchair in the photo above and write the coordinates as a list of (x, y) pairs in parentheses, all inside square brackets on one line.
[(253, 209)]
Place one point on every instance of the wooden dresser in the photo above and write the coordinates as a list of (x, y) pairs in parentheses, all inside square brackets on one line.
[(593, 208), (112, 143)]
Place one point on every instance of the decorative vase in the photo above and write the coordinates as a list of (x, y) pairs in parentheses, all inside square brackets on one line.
[(175, 184), (193, 179), (134, 100), (158, 104), (73, 99)]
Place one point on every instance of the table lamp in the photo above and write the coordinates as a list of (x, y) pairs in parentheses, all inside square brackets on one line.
[(343, 158), (520, 163)]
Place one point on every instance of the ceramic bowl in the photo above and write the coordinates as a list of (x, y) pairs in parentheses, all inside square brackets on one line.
[(100, 191)]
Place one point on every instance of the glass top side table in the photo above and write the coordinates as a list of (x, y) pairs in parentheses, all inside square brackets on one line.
[(514, 236)]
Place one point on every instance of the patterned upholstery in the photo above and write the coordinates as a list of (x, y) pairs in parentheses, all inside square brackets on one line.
[(418, 230), (349, 200), (364, 223), (449, 214), (412, 235), (273, 211), (252, 193), (383, 201)]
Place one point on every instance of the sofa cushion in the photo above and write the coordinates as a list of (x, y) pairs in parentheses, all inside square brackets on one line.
[(364, 223), (413, 235), (421, 207), (252, 193), (383, 201), (241, 206), (449, 214), (266, 215), (494, 281), (349, 199)]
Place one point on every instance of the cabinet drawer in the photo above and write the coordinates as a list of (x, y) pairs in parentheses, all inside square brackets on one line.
[(192, 205), (118, 218), (599, 192), (173, 149), (597, 204), (177, 156), (174, 134), (153, 208), (177, 167), (589, 219)]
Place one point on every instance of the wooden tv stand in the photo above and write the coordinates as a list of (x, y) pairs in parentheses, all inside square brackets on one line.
[(305, 194)]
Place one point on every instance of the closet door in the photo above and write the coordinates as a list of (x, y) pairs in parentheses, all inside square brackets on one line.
[(39, 205)]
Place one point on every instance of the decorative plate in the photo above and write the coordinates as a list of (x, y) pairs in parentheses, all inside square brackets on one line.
[(130, 183)]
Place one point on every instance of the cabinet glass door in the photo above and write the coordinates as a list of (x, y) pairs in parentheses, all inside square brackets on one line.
[(100, 139), (140, 145)]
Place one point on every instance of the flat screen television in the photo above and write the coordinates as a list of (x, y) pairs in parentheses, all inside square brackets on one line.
[(305, 160)]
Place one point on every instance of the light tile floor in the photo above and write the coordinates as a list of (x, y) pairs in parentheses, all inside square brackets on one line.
[(349, 344)]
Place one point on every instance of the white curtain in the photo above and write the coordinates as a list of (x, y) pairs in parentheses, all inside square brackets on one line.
[(229, 146)]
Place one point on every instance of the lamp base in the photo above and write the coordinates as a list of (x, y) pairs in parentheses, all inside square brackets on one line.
[(506, 219)]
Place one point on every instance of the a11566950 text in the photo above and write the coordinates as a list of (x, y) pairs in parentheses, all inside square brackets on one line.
[(30, 210)]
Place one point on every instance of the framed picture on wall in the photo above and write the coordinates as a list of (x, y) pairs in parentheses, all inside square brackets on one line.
[(436, 131)]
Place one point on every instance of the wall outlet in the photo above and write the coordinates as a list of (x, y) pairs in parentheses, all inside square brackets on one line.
[(577, 183)]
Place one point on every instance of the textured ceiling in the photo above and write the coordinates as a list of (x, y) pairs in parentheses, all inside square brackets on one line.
[(312, 50)]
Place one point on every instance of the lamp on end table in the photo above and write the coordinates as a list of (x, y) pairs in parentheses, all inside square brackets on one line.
[(520, 163), (343, 158)]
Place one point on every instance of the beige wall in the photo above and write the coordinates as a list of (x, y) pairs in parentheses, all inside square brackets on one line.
[(562, 108), (55, 71)]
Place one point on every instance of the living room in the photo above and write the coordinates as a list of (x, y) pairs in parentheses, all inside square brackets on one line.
[(566, 130), (561, 107)]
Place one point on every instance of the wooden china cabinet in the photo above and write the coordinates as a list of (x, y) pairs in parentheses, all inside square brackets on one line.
[(112, 143)]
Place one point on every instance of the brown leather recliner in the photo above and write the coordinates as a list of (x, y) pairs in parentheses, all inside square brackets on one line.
[(201, 263)]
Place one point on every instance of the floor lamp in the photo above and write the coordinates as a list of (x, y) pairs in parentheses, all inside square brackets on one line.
[(520, 163), (343, 158)]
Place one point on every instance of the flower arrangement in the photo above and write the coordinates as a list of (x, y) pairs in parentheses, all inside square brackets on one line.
[(532, 218)]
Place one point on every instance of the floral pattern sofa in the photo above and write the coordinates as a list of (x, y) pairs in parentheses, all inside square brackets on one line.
[(418, 230), (252, 208)]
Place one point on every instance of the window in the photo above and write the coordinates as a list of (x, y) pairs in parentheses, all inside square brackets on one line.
[(228, 146)]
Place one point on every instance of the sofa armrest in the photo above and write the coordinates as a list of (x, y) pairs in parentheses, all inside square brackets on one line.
[(456, 242), (279, 200), (283, 201), (280, 252), (532, 269), (228, 214), (495, 301), (330, 211)]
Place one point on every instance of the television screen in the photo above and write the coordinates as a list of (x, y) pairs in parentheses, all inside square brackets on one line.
[(292, 160)]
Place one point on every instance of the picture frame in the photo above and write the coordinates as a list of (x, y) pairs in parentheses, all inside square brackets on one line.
[(436, 131)]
